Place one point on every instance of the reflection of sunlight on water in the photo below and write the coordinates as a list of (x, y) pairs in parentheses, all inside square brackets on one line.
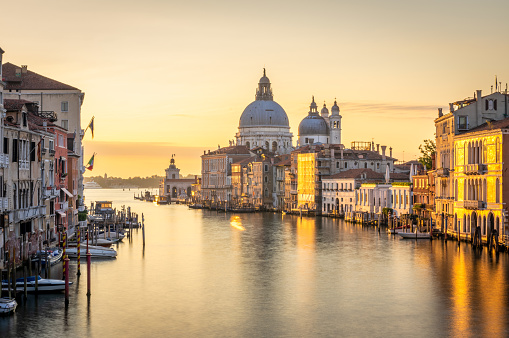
[(236, 223)]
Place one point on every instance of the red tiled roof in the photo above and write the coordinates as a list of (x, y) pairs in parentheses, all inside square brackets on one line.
[(30, 80), (356, 173), (14, 104)]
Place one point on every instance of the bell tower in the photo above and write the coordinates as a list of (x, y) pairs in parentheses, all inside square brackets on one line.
[(335, 125)]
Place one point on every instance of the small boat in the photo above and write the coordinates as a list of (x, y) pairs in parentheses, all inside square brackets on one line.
[(415, 235), (95, 251), (7, 305), (44, 285), (112, 235), (54, 256)]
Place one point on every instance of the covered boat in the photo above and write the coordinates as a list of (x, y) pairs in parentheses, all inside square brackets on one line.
[(44, 285)]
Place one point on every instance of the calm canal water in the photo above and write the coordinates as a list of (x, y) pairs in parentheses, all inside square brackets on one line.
[(210, 274)]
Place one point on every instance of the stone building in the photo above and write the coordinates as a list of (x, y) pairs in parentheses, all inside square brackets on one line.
[(174, 187), (463, 115), (479, 174)]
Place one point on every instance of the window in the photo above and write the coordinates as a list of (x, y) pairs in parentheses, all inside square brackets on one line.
[(463, 122), (337, 164), (61, 141), (346, 165), (14, 150), (32, 151), (365, 164), (6, 145), (266, 168), (24, 116), (65, 124), (64, 106), (51, 145)]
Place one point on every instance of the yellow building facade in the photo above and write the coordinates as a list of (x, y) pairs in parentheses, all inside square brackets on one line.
[(478, 182), (306, 178)]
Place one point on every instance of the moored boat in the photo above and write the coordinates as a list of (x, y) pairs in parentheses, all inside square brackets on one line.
[(43, 285), (7, 305), (54, 256), (415, 235), (95, 251)]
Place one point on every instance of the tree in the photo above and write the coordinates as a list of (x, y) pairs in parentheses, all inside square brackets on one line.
[(428, 150)]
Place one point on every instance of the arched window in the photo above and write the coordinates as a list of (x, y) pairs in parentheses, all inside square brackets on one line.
[(274, 146), (497, 191), (267, 145), (248, 145)]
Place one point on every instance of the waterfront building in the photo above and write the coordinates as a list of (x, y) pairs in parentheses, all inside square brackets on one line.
[(463, 115), (479, 174), (216, 172), (330, 159), (373, 198), (174, 187), (338, 190), (58, 102), (282, 164), (423, 190), (320, 128), (21, 193), (264, 122)]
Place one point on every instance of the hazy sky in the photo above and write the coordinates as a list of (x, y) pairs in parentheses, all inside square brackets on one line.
[(165, 77)]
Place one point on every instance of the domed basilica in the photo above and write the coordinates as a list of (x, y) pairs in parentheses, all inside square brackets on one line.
[(320, 128), (264, 122)]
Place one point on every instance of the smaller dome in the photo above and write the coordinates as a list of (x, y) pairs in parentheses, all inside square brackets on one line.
[(324, 110), (264, 79), (313, 125), (335, 108)]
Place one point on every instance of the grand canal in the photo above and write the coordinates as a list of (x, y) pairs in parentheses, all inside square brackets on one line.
[(204, 273)]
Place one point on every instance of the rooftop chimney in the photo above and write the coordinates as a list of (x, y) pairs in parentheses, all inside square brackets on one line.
[(390, 152), (378, 148), (440, 114), (451, 108), (24, 69), (383, 152)]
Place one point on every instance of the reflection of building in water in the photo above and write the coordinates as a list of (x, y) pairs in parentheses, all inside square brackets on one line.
[(175, 187)]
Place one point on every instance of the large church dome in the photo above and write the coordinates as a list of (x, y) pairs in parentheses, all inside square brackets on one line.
[(264, 122), (264, 113)]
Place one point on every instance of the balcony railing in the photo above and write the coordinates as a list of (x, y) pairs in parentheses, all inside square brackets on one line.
[(4, 160), (4, 203), (21, 215), (64, 206), (443, 172), (474, 204), (47, 114), (474, 169)]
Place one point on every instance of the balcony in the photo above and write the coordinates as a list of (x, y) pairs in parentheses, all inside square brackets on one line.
[(51, 152), (443, 172), (64, 206), (50, 192), (47, 114), (4, 203), (474, 205), (4, 160), (474, 169), (22, 215)]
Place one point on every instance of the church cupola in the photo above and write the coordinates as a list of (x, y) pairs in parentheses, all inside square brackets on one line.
[(335, 108), (313, 108), (324, 112), (264, 92)]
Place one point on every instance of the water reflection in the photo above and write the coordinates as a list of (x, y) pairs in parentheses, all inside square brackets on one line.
[(205, 273)]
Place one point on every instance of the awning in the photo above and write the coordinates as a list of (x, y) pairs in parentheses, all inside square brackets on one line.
[(61, 213), (66, 192)]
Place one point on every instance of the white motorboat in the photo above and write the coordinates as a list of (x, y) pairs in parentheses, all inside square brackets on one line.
[(111, 235), (95, 251), (415, 235), (44, 285), (7, 305)]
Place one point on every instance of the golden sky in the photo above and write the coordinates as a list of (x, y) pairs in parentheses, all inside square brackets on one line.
[(164, 77)]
